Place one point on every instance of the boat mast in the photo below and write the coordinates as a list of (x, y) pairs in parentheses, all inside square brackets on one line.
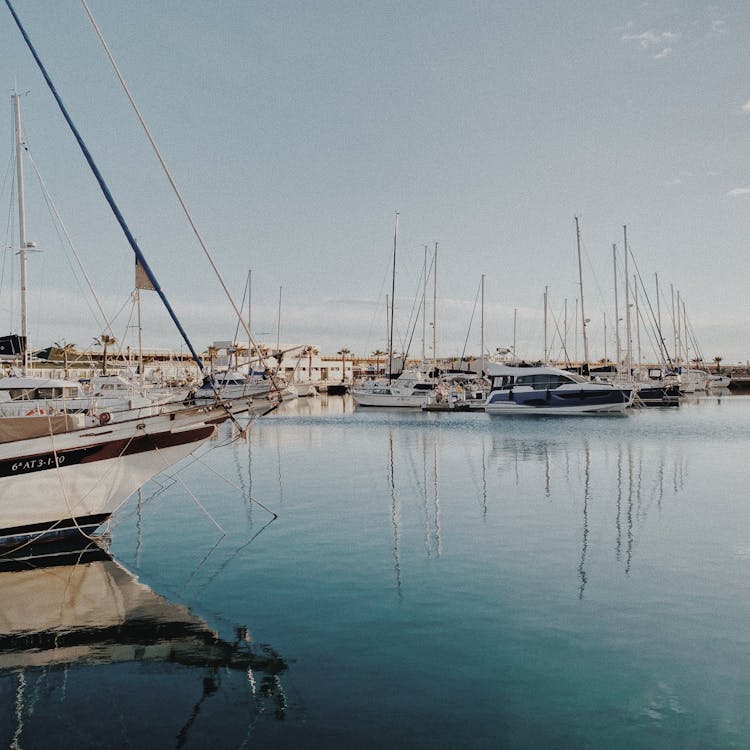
[(628, 334), (545, 325), (637, 320), (393, 292), (685, 334), (580, 281), (424, 306), (675, 350), (21, 227), (481, 337), (249, 318), (679, 330), (387, 327), (278, 324), (617, 308), (105, 189), (662, 344), (142, 375), (434, 311)]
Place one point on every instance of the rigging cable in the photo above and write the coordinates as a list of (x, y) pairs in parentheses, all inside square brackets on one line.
[(169, 177), (471, 321), (140, 258), (69, 241)]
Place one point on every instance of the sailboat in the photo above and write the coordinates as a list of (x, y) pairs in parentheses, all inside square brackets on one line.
[(412, 387), (66, 477)]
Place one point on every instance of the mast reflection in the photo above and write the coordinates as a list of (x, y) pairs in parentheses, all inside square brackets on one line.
[(636, 477)]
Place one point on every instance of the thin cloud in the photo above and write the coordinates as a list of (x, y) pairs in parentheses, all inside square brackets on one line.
[(719, 26), (666, 52), (746, 106), (735, 192), (651, 38)]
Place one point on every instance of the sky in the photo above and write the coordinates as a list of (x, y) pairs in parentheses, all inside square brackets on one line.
[(296, 131)]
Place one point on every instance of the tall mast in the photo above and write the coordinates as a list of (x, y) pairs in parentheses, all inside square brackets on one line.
[(675, 350), (685, 334), (637, 319), (679, 329), (545, 324), (387, 325), (658, 305), (393, 292), (628, 335), (142, 374), (481, 337), (249, 321), (617, 310), (424, 306), (580, 280), (278, 324), (662, 344), (21, 228), (434, 309)]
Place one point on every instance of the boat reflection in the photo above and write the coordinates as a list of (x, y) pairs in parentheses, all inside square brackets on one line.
[(73, 610), (618, 483), (532, 486)]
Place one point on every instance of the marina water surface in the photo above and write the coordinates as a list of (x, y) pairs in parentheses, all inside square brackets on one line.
[(431, 580)]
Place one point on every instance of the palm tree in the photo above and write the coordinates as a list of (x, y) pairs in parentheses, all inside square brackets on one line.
[(342, 353), (104, 340), (211, 352), (377, 354), (718, 364), (66, 350), (310, 350)]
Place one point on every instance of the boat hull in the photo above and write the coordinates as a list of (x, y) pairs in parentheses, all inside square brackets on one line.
[(69, 484), (658, 395), (401, 400), (560, 402)]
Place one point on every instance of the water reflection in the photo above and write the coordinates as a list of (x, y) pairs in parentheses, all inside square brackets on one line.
[(73, 620), (602, 488), (631, 475), (395, 518)]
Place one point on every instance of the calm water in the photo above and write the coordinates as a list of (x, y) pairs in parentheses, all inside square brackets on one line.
[(431, 581)]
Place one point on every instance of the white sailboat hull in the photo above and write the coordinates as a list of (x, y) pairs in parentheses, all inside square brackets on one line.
[(63, 484), (409, 400), (411, 389)]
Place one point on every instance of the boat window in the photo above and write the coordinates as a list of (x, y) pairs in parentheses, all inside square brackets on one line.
[(48, 392), (21, 393), (543, 381), (501, 381)]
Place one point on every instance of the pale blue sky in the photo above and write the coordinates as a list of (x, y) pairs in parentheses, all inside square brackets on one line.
[(296, 130)]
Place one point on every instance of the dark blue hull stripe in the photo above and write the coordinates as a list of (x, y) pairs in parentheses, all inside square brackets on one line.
[(51, 530)]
